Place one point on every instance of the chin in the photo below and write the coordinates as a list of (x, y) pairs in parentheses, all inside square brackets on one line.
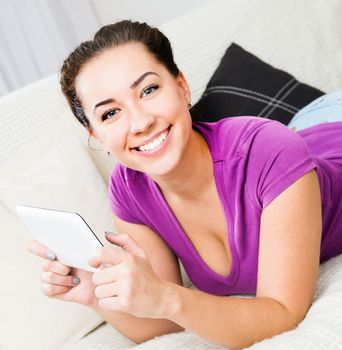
[(162, 167)]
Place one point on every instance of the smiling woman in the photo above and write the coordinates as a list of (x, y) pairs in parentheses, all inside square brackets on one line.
[(138, 100), (237, 201)]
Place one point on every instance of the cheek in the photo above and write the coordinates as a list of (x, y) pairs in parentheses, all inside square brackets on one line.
[(171, 103), (114, 138), (175, 107)]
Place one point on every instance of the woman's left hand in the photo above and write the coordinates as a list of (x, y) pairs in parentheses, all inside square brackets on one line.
[(130, 285)]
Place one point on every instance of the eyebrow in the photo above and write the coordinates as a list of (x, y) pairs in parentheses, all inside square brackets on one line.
[(132, 86)]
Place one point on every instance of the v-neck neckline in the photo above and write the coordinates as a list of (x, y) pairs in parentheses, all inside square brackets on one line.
[(231, 278)]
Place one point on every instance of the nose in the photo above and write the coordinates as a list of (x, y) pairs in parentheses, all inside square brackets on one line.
[(140, 121)]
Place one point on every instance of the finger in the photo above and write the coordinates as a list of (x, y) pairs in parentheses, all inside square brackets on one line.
[(107, 255), (56, 266), (106, 291), (41, 250), (49, 277), (50, 290), (126, 242), (104, 276)]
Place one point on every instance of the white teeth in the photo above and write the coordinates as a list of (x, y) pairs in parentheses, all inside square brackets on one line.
[(155, 143)]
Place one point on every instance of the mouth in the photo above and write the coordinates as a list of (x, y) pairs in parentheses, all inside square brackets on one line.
[(155, 144)]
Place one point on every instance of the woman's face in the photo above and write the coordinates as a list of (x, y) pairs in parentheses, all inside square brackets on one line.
[(130, 99)]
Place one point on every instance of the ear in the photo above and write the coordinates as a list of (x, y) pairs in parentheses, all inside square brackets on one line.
[(181, 80), (93, 134)]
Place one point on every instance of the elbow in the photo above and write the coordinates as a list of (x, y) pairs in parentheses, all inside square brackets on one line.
[(288, 322), (246, 343), (142, 337)]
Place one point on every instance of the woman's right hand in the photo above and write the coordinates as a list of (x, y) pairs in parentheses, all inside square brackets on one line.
[(58, 280)]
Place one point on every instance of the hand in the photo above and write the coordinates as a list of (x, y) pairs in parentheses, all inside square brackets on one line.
[(57, 279), (130, 284)]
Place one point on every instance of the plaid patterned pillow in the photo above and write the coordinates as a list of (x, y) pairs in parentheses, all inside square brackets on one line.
[(245, 85)]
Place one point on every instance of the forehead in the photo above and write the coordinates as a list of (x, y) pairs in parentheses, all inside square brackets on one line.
[(116, 67)]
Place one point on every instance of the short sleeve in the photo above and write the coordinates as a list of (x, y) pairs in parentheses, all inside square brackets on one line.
[(275, 158), (120, 197)]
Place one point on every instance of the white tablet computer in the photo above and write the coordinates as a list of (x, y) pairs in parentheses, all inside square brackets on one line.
[(65, 233)]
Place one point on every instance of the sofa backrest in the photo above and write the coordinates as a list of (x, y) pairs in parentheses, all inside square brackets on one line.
[(301, 37)]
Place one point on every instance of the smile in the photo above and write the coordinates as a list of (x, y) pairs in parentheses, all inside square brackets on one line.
[(154, 147), (155, 143)]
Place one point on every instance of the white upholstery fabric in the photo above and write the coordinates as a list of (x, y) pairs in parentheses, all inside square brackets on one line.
[(321, 328), (301, 37), (65, 179), (35, 119)]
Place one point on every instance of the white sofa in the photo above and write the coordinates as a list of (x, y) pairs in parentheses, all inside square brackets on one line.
[(45, 161)]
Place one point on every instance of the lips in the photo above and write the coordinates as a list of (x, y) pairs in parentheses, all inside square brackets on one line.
[(158, 151), (152, 138)]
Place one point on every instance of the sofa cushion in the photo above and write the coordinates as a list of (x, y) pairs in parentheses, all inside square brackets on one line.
[(243, 84), (36, 118), (65, 179), (282, 34)]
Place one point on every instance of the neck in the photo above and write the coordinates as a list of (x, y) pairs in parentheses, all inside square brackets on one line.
[(194, 177)]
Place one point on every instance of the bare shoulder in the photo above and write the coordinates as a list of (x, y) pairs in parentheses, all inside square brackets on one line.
[(163, 260)]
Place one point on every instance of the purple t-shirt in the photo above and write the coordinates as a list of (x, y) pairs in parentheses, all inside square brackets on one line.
[(254, 160)]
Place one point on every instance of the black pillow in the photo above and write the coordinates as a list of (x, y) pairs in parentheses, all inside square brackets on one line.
[(245, 85)]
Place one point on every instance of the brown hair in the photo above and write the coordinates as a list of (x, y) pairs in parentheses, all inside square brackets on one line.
[(107, 37)]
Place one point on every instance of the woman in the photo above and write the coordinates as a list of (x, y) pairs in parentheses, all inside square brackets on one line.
[(243, 203)]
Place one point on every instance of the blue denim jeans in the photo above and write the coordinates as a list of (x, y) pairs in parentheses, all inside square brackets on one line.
[(325, 109)]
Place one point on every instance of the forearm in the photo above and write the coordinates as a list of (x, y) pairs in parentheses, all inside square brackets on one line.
[(230, 321), (135, 328)]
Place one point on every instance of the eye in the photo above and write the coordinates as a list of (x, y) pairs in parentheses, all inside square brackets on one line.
[(149, 90), (111, 113)]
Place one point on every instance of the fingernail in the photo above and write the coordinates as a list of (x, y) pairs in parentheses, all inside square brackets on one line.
[(76, 280), (50, 256), (110, 233)]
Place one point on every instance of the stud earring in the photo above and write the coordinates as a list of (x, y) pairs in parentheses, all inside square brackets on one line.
[(189, 105)]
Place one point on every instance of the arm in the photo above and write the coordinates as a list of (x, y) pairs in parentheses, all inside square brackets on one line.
[(57, 282), (142, 329), (289, 251)]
